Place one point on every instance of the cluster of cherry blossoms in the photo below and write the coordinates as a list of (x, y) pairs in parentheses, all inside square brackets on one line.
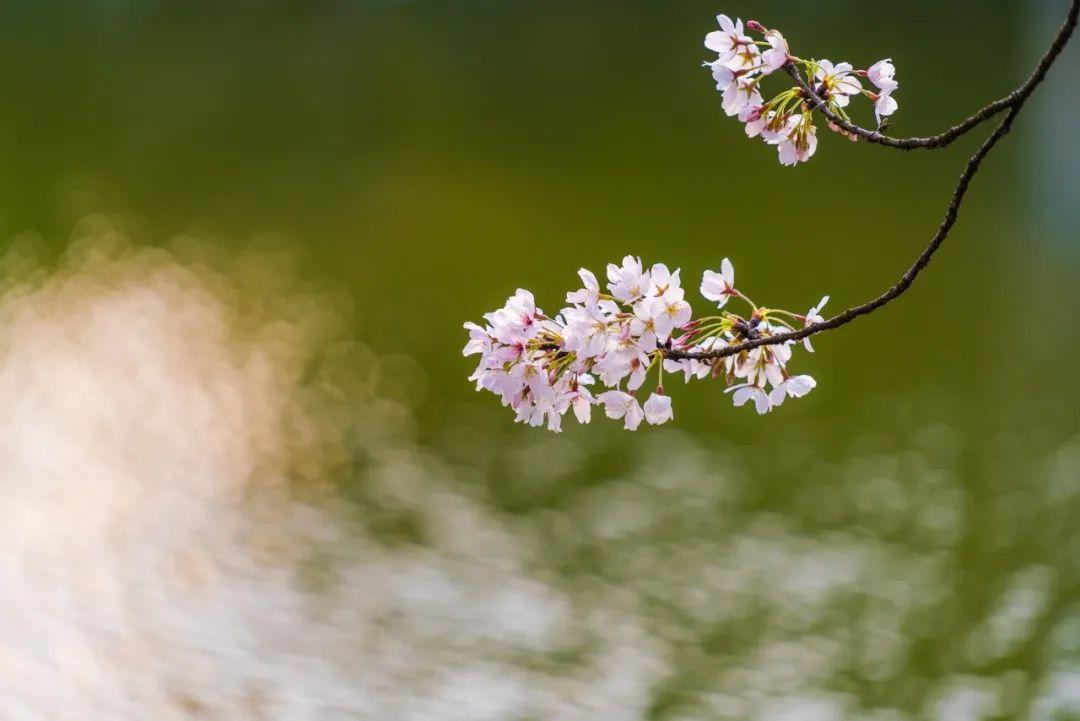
[(542, 366), (786, 120)]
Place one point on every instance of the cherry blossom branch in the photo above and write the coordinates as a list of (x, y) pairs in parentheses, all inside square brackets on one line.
[(929, 143), (941, 140), (1014, 102), (641, 327)]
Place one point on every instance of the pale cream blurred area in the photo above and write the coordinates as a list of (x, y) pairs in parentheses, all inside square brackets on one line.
[(214, 505)]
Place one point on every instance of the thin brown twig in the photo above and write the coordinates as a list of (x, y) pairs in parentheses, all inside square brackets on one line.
[(1014, 102), (931, 142)]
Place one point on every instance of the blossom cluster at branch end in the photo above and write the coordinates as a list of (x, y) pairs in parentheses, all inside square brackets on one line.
[(543, 366), (787, 120)]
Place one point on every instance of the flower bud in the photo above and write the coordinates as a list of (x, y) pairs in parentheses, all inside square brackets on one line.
[(755, 26)]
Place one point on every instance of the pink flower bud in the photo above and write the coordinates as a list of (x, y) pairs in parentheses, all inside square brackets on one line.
[(755, 26)]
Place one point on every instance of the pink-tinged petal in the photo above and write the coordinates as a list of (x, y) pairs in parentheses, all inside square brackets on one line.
[(658, 409), (717, 42), (849, 85), (761, 402), (682, 315), (727, 270), (554, 422), (712, 286), (884, 106), (799, 386), (582, 410), (787, 154), (741, 395), (723, 75)]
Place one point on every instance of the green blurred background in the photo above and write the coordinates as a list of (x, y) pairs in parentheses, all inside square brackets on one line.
[(424, 159)]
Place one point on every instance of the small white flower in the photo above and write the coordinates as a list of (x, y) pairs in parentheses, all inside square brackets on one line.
[(628, 282), (531, 374), (618, 404), (723, 75), (814, 316), (658, 409), (586, 331), (756, 119), (747, 59), (777, 54), (664, 310), (728, 39), (838, 82), (480, 340), (884, 105), (797, 142), (623, 362), (515, 322), (745, 392), (763, 364), (590, 294), (719, 287), (662, 280), (881, 75), (581, 399), (741, 93), (644, 323), (795, 386)]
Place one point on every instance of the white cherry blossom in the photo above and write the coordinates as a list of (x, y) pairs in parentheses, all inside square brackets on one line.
[(882, 75), (777, 54), (628, 282), (720, 286), (586, 330), (741, 93), (746, 59), (581, 399), (744, 392), (623, 362), (618, 404), (728, 39), (755, 118), (590, 294), (480, 340), (794, 386), (884, 105), (797, 142), (658, 409), (837, 82)]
